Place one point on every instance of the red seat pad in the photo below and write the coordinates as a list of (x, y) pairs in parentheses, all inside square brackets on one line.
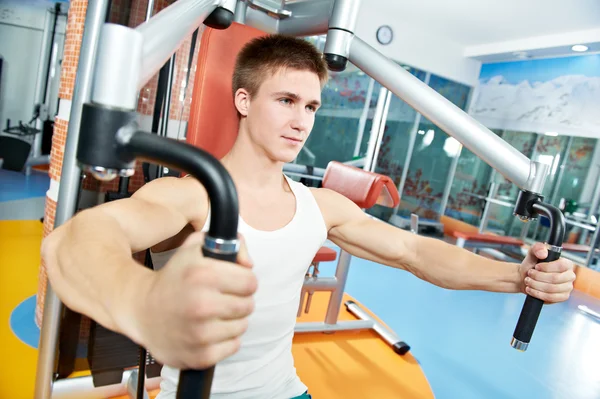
[(325, 254)]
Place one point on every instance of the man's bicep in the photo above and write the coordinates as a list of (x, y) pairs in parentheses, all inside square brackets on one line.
[(157, 211), (363, 236)]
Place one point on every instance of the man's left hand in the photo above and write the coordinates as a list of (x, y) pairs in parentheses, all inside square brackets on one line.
[(551, 282)]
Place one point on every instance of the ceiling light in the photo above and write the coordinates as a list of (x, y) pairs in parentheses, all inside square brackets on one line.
[(522, 55), (579, 48), (551, 134)]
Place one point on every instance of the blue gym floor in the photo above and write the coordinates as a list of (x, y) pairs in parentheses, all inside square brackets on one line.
[(460, 338), (22, 197)]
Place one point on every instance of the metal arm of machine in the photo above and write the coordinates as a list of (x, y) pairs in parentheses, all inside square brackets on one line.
[(343, 46), (127, 58), (111, 141), (297, 18), (115, 61)]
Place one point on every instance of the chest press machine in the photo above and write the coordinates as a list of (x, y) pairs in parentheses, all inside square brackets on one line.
[(103, 137)]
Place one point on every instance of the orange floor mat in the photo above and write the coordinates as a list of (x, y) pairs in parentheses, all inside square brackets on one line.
[(341, 365), (351, 364)]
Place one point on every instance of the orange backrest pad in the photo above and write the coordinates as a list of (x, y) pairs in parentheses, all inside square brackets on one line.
[(452, 225), (587, 281), (364, 188), (213, 123)]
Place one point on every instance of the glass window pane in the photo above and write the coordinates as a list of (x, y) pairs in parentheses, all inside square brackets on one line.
[(501, 219), (432, 158), (576, 168), (343, 124), (471, 180), (338, 122), (550, 150), (395, 142)]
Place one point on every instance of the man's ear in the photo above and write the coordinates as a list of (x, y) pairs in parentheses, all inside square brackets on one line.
[(242, 101)]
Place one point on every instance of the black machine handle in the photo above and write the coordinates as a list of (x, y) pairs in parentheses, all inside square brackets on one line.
[(533, 306), (110, 141), (221, 241)]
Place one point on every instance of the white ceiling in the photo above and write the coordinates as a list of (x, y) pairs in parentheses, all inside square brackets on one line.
[(493, 30)]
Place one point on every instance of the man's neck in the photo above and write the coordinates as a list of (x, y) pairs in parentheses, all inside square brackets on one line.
[(249, 167)]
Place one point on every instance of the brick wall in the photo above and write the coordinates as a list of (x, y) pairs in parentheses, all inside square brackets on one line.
[(74, 34), (125, 12)]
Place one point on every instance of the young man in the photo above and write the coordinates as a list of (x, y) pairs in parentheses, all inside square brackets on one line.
[(195, 312)]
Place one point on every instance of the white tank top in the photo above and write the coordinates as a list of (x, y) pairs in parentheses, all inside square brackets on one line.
[(264, 367)]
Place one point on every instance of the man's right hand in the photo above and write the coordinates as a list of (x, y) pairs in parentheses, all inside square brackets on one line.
[(191, 313)]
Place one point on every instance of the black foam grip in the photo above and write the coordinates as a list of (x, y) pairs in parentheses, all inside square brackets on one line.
[(232, 257), (196, 384), (401, 348), (531, 310)]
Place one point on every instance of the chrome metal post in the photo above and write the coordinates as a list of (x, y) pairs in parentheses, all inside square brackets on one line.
[(486, 210), (240, 12), (341, 275), (363, 118), (561, 171), (375, 127), (381, 133), (449, 182), (67, 194)]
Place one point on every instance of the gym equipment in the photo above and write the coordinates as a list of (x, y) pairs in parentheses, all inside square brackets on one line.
[(107, 114), (38, 130), (427, 227), (501, 247), (589, 312), (13, 153), (365, 189)]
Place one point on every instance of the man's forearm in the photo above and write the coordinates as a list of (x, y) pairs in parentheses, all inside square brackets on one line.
[(90, 268), (452, 267)]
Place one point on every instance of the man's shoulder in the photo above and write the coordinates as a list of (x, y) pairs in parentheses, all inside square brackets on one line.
[(185, 194), (327, 198)]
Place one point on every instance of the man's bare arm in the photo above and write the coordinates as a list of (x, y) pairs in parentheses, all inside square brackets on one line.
[(89, 259), (433, 260)]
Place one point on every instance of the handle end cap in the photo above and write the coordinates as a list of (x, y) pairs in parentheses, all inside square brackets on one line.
[(519, 345)]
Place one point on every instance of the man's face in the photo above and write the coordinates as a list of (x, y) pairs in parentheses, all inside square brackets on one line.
[(281, 115)]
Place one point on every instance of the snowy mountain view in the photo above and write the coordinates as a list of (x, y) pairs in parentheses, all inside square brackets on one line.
[(561, 95), (567, 102)]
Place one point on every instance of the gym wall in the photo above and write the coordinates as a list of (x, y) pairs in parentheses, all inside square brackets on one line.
[(21, 30)]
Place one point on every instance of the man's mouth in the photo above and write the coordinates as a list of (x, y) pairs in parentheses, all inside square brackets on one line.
[(293, 139)]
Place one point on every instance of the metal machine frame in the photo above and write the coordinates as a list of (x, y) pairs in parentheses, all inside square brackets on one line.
[(116, 61)]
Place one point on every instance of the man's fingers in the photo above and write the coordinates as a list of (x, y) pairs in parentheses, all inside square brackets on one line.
[(224, 277), (547, 297), (235, 280), (193, 240), (243, 257), (548, 287), (235, 307), (557, 266), (552, 278), (537, 252), (215, 331), (208, 356)]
